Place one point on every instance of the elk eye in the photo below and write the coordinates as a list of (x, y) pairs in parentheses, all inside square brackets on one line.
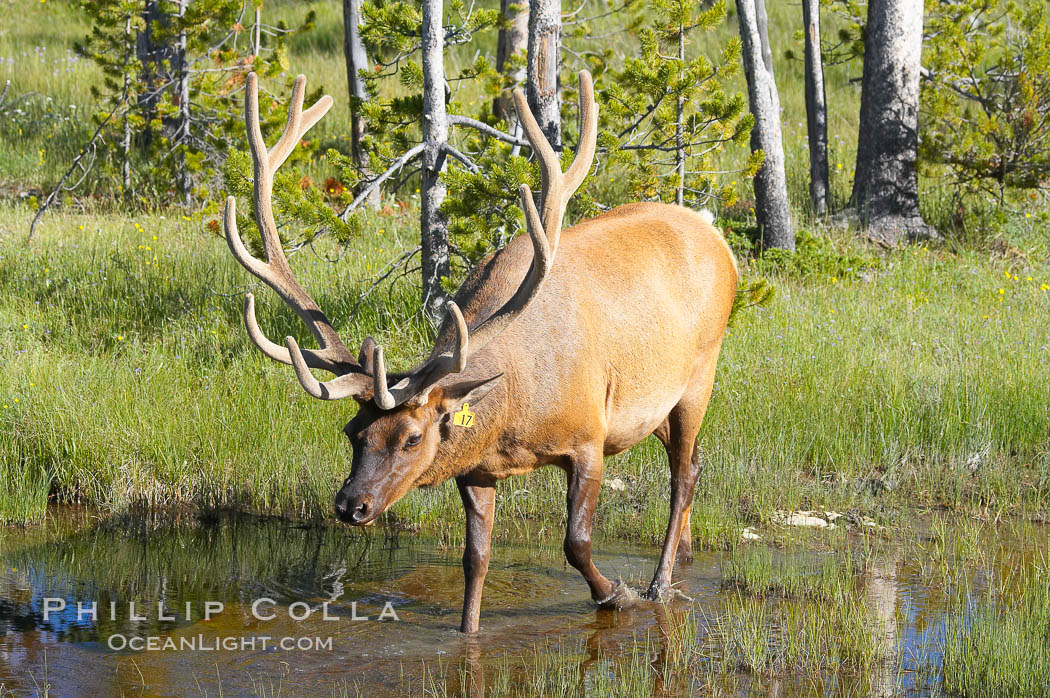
[(413, 440)]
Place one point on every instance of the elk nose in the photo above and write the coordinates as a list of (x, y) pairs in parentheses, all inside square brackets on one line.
[(340, 508), (362, 510)]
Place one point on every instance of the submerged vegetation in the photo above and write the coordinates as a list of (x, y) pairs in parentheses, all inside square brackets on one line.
[(841, 614)]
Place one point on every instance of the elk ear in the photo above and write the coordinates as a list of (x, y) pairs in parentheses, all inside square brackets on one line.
[(468, 391)]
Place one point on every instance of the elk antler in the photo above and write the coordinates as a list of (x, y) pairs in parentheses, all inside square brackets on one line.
[(333, 356), (557, 188), (367, 376)]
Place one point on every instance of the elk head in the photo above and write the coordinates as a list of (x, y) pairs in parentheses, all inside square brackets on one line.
[(402, 420)]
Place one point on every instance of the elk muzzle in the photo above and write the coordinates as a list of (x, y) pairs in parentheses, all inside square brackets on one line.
[(356, 508)]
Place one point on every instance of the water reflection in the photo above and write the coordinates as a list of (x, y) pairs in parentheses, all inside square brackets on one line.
[(279, 580)]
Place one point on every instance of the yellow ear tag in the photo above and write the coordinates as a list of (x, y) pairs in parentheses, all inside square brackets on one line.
[(464, 418)]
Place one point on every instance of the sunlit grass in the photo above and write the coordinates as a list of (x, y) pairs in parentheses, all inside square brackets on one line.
[(922, 384)]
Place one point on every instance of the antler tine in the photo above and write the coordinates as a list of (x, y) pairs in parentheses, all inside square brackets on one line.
[(346, 385), (333, 355), (417, 384), (298, 123), (557, 187), (588, 123)]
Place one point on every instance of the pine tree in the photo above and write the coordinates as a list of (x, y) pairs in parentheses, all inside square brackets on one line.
[(173, 72), (985, 101), (668, 112)]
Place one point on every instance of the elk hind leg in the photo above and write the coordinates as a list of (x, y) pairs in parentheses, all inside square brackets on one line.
[(678, 434), (685, 534)]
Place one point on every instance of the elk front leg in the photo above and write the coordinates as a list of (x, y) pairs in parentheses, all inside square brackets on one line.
[(585, 482), (479, 503)]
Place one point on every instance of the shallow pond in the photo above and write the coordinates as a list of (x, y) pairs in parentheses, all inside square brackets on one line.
[(333, 611)]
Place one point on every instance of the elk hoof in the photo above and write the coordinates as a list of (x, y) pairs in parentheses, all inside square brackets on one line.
[(665, 594), (621, 597)]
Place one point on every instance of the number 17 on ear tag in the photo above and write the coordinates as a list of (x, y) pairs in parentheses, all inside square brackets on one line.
[(464, 418)]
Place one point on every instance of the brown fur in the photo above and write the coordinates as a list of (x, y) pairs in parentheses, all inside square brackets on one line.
[(621, 342)]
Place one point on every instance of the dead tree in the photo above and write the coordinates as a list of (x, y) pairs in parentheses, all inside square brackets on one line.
[(544, 63), (356, 61), (513, 40), (886, 188), (771, 199), (433, 226), (816, 109)]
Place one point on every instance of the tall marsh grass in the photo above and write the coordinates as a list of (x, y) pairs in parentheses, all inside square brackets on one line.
[(999, 642), (127, 379)]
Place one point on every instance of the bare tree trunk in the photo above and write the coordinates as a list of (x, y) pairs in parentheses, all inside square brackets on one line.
[(513, 39), (151, 57), (125, 143), (257, 32), (544, 64), (886, 189), (679, 128), (762, 20), (771, 199), (433, 227), (183, 178), (816, 109), (356, 61)]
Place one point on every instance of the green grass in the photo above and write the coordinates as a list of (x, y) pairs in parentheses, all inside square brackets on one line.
[(999, 644), (760, 572), (770, 639), (128, 379)]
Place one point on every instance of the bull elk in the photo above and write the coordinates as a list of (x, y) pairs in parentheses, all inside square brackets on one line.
[(560, 363)]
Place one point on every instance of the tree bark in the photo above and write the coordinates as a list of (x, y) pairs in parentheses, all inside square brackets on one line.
[(544, 64), (886, 188), (513, 39), (125, 144), (356, 61), (762, 20), (433, 227), (181, 66), (771, 199), (151, 56), (679, 128), (816, 109)]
